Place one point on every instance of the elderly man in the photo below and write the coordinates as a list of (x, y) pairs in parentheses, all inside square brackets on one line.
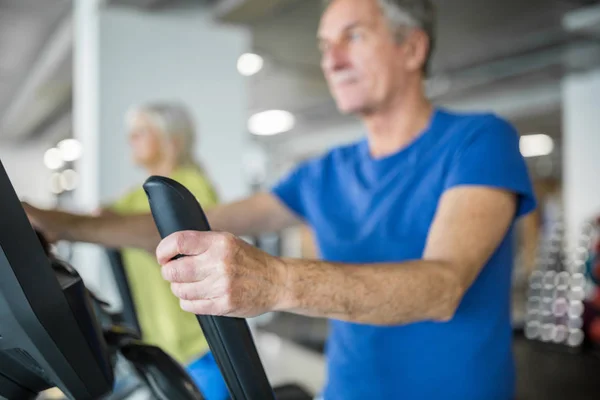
[(414, 224)]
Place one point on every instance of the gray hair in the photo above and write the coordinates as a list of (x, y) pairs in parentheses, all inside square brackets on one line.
[(174, 121), (402, 14)]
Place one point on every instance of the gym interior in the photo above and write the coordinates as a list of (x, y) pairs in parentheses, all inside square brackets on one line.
[(249, 71)]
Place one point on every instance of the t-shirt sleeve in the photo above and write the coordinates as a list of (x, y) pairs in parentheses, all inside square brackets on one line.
[(201, 188), (196, 182), (290, 188), (491, 157), (123, 205)]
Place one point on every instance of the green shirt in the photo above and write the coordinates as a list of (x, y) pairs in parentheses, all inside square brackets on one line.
[(163, 322)]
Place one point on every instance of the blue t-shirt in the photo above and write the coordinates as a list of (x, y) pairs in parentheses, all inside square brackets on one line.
[(366, 210)]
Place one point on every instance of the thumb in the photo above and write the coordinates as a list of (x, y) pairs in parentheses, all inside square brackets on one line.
[(187, 243)]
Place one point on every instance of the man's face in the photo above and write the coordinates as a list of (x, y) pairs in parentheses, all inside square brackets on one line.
[(361, 60)]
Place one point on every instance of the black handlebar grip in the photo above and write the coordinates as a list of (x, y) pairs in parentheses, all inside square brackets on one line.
[(175, 209)]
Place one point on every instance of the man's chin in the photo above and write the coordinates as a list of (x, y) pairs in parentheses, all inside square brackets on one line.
[(350, 109)]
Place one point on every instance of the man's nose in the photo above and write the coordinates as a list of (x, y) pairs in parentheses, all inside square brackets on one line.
[(334, 58)]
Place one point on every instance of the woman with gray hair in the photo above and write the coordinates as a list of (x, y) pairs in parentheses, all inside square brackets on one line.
[(161, 136)]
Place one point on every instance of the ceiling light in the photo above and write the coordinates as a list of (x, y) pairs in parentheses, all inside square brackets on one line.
[(271, 122), (249, 64), (70, 149), (53, 159), (536, 145), (55, 184), (69, 179)]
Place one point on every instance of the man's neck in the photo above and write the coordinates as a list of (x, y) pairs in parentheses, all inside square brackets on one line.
[(395, 127)]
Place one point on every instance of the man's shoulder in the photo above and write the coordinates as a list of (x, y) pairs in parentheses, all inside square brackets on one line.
[(477, 121), (339, 155), (465, 128), (343, 153)]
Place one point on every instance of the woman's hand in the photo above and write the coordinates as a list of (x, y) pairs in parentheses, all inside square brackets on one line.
[(52, 224)]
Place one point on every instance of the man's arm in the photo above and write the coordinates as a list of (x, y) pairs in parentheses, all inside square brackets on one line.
[(224, 276), (469, 225), (257, 214)]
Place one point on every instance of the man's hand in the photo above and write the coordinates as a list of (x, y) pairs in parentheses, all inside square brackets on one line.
[(221, 274), (52, 224)]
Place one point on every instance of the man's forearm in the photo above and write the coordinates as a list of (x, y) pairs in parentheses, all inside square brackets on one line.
[(382, 294), (258, 214)]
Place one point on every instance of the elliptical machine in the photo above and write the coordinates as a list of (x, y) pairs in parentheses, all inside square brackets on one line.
[(50, 330), (50, 335)]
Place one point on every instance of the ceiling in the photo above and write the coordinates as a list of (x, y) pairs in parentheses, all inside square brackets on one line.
[(484, 46), (510, 55), (507, 56), (26, 28), (36, 56)]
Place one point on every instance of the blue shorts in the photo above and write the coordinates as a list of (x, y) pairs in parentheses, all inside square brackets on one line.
[(207, 376)]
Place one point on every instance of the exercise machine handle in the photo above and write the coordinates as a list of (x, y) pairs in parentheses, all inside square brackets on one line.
[(175, 209)]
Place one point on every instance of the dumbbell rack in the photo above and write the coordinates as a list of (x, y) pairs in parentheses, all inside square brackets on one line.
[(557, 290)]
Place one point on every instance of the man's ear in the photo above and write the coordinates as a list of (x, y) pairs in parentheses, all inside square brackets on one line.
[(417, 47)]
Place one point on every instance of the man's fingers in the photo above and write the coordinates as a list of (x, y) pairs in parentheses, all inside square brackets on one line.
[(189, 291), (185, 243), (186, 270), (205, 307)]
